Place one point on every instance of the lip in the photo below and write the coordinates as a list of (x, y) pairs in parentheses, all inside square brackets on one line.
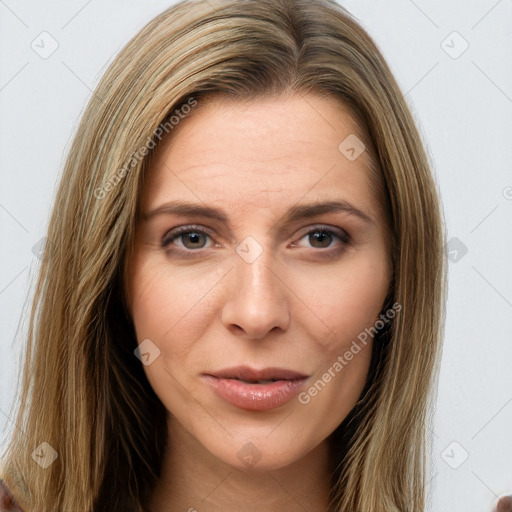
[(229, 384)]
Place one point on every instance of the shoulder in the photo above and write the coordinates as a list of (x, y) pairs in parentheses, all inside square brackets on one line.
[(7, 501)]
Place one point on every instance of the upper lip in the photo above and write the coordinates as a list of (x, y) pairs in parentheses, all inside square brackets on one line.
[(247, 373)]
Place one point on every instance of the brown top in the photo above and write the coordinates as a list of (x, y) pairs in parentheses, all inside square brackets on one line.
[(504, 504), (7, 501)]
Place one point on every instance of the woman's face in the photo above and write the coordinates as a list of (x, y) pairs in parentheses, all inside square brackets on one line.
[(249, 297)]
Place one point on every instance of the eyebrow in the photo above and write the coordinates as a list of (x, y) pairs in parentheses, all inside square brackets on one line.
[(295, 213)]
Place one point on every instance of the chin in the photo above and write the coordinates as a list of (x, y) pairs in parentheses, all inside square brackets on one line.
[(260, 455)]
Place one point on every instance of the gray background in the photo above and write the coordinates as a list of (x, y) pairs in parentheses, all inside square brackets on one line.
[(462, 100)]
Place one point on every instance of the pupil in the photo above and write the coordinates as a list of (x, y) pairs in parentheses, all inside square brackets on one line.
[(319, 236), (194, 238)]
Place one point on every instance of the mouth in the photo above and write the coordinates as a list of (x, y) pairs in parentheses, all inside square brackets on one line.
[(256, 390), (266, 375)]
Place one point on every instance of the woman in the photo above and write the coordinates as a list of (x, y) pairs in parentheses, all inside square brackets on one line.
[(180, 356)]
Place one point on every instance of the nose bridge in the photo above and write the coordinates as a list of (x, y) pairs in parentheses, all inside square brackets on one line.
[(255, 264), (258, 302), (257, 277)]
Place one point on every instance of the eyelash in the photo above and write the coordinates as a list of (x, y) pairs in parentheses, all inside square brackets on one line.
[(174, 234)]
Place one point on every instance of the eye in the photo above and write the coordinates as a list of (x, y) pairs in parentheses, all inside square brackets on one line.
[(322, 237), (189, 238)]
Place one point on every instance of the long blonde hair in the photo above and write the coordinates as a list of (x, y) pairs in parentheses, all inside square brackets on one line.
[(85, 393)]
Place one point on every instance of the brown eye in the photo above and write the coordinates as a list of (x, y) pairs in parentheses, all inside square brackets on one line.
[(323, 238), (320, 239), (196, 240), (186, 238)]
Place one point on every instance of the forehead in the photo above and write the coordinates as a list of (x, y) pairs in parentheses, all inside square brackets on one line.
[(262, 154)]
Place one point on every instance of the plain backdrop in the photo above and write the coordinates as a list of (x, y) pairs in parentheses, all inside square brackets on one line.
[(453, 62)]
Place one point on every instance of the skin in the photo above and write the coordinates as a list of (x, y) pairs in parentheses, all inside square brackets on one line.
[(299, 305)]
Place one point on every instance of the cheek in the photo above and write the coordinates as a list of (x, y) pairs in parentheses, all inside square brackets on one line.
[(166, 299), (173, 308), (347, 300), (166, 309)]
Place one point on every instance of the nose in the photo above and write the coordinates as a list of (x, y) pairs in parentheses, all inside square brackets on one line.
[(257, 300)]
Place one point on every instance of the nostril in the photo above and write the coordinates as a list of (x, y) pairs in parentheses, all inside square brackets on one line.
[(504, 504)]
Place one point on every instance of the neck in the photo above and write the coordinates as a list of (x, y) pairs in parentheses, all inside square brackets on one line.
[(192, 480)]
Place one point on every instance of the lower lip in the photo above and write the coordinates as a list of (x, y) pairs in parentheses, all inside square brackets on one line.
[(255, 397)]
